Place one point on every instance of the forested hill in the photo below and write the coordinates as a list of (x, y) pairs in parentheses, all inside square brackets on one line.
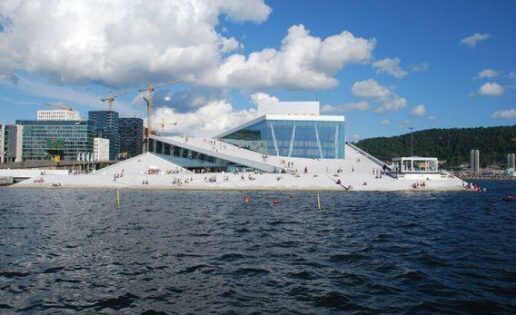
[(451, 145)]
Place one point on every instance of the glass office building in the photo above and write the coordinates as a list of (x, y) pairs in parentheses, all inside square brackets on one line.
[(58, 140), (291, 136), (105, 124), (131, 137)]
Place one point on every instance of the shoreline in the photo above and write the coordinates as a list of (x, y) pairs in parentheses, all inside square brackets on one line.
[(243, 189)]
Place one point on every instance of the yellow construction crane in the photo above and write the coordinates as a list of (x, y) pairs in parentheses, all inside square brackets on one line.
[(61, 106), (111, 98), (150, 90)]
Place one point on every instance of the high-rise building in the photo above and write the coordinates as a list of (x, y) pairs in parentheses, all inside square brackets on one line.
[(477, 161), (105, 124), (58, 114), (510, 161), (57, 140), (474, 161), (10, 143), (100, 150), (131, 137)]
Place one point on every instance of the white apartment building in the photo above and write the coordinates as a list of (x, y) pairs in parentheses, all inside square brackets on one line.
[(58, 114), (100, 149)]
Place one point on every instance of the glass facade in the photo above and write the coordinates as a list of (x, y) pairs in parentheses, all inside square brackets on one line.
[(131, 137), (45, 140), (190, 159), (292, 138), (106, 125), (9, 134)]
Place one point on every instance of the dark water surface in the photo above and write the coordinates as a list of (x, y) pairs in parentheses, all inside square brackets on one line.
[(67, 251)]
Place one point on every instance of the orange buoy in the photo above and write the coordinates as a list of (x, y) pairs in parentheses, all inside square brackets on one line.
[(247, 199)]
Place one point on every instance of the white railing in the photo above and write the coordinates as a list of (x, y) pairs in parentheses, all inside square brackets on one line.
[(367, 155)]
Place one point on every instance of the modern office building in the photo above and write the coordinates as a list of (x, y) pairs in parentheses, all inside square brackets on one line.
[(57, 140), (105, 125), (131, 137), (58, 115), (10, 143), (100, 150)]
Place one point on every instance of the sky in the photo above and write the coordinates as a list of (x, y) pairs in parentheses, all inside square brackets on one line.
[(387, 66)]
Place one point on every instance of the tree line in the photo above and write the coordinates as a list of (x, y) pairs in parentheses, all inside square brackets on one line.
[(450, 145)]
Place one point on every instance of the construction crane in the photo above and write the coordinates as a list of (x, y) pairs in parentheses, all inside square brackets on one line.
[(61, 106), (150, 91), (163, 124), (111, 98)]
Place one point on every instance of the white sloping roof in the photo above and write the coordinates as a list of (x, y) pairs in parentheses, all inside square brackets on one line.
[(139, 164)]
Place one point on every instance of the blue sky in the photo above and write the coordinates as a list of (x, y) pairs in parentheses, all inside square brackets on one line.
[(438, 83)]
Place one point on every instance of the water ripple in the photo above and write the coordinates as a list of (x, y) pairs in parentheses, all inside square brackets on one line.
[(163, 252)]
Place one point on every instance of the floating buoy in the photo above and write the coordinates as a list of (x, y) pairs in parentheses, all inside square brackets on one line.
[(247, 199), (117, 198), (510, 198), (275, 201)]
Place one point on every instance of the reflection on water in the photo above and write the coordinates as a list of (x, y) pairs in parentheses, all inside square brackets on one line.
[(200, 252)]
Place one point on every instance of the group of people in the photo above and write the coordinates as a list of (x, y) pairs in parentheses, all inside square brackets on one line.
[(417, 185), (472, 187), (211, 179), (176, 171), (180, 181), (118, 175), (250, 177), (377, 173)]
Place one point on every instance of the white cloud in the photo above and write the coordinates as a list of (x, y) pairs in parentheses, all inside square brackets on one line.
[(359, 106), (505, 114), (55, 94), (419, 67), (208, 120), (385, 122), (418, 110), (487, 73), (370, 89), (302, 62), (347, 107), (261, 98), (387, 99), (326, 109), (473, 40), (390, 66), (119, 42), (491, 89), (132, 42)]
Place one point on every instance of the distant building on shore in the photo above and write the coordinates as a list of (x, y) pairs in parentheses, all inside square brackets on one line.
[(131, 137), (61, 135), (100, 150), (105, 124), (474, 161), (57, 115), (54, 139), (510, 161), (10, 143)]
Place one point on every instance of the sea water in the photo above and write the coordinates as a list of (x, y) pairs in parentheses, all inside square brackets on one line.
[(193, 252)]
